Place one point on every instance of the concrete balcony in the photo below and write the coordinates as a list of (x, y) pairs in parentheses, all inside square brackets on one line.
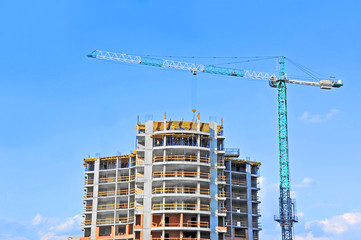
[(221, 212), (185, 226), (180, 207), (118, 206), (237, 223), (221, 196), (220, 229), (176, 175), (240, 210), (180, 190), (184, 159), (221, 180), (238, 196), (221, 165), (88, 195), (111, 221)]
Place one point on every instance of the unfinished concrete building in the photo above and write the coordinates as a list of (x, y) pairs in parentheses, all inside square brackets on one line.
[(179, 183)]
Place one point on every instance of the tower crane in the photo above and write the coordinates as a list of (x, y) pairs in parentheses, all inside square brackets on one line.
[(287, 214)]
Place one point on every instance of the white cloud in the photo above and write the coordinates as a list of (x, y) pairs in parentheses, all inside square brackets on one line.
[(50, 236), (267, 186), (310, 236), (38, 219), (338, 224), (40, 228), (318, 118), (300, 214), (306, 183), (67, 224)]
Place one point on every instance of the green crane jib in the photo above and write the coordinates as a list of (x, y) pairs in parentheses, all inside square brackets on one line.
[(287, 216)]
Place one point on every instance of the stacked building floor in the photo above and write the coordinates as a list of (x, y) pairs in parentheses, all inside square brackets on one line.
[(180, 183)]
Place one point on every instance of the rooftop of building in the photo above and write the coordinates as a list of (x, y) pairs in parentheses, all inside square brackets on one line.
[(92, 159), (179, 125), (232, 154)]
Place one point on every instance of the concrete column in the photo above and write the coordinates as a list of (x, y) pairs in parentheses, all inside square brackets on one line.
[(249, 200), (116, 191), (231, 196), (148, 176), (213, 185), (95, 199)]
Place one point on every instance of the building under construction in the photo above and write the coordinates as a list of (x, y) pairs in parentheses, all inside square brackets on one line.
[(179, 183)]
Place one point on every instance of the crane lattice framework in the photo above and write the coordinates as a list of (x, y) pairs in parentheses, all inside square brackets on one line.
[(287, 213)]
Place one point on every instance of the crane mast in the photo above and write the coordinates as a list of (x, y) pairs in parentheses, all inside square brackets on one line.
[(287, 216)]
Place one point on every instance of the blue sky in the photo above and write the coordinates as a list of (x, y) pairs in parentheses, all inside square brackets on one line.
[(57, 106)]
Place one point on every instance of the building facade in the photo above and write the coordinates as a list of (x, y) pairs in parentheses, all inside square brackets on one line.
[(179, 183)]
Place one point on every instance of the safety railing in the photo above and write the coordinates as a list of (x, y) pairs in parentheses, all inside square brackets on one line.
[(126, 178), (126, 191), (160, 174), (197, 224), (117, 206), (107, 179), (106, 193), (89, 181), (107, 164), (140, 161), (120, 178), (127, 164), (180, 206), (232, 151), (256, 225), (181, 141), (221, 178), (89, 167), (221, 229), (139, 207), (255, 198), (88, 208), (239, 209), (139, 175), (222, 194), (239, 182), (167, 224), (180, 190), (237, 195), (237, 223), (181, 158), (86, 222), (139, 191), (88, 195), (115, 220), (194, 224), (222, 210), (119, 192), (256, 211), (220, 163)]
